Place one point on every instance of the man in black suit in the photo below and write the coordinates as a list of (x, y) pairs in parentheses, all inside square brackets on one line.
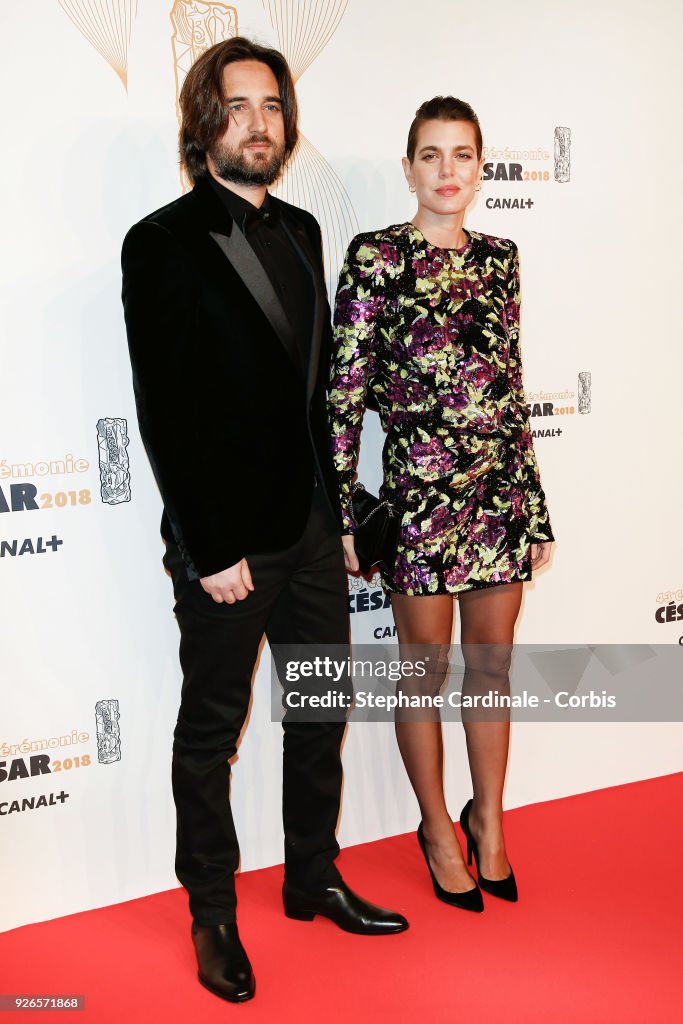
[(228, 329)]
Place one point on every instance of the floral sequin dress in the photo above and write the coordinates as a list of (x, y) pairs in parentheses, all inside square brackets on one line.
[(433, 334)]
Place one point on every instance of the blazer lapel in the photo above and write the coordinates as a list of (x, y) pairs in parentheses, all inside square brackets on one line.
[(253, 276), (301, 242)]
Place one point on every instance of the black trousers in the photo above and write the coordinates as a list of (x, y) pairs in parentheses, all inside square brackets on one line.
[(299, 596)]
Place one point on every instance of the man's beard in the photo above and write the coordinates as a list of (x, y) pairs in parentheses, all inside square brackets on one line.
[(234, 166)]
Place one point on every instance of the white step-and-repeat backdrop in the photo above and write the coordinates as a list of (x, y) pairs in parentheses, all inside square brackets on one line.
[(579, 105)]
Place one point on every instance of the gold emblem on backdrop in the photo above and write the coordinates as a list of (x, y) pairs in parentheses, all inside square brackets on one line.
[(303, 28), (107, 25), (196, 28)]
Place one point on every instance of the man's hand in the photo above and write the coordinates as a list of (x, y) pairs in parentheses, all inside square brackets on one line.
[(350, 556), (540, 554), (231, 585)]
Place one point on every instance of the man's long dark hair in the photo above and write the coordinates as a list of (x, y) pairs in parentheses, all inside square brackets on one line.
[(202, 102)]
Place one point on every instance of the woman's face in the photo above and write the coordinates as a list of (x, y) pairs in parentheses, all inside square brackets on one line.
[(445, 169)]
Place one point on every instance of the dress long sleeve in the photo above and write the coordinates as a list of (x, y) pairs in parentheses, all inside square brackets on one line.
[(358, 307), (539, 520)]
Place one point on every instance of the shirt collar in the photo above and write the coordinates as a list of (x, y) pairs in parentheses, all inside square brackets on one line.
[(244, 213)]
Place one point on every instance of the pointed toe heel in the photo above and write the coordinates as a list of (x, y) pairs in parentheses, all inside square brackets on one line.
[(503, 888), (471, 899)]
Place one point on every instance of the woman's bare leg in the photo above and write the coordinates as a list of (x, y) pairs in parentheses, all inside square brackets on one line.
[(429, 621), (488, 617)]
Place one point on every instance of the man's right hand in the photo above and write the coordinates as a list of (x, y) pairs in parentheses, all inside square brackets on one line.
[(231, 585)]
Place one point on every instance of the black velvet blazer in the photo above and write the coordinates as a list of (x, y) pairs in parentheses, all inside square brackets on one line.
[(233, 425)]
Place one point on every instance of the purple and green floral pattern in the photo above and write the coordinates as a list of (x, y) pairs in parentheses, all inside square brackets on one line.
[(433, 335)]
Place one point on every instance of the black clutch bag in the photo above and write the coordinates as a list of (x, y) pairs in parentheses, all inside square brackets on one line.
[(377, 524)]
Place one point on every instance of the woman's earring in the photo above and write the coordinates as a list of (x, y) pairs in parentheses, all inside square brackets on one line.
[(478, 187), (411, 188)]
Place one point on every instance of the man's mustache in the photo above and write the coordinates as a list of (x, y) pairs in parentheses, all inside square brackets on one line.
[(257, 138)]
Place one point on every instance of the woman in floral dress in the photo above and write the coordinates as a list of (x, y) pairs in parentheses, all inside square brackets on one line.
[(427, 321)]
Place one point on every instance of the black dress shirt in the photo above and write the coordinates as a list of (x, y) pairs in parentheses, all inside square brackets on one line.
[(263, 229)]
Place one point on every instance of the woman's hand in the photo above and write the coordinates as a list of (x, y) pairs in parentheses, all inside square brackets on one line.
[(540, 554), (350, 556)]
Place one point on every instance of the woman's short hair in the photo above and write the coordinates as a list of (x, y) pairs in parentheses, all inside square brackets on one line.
[(204, 115), (443, 108)]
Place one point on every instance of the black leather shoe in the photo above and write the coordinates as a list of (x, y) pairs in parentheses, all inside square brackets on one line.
[(344, 907), (224, 966)]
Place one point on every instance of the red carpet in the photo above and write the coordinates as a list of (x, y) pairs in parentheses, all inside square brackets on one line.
[(596, 936)]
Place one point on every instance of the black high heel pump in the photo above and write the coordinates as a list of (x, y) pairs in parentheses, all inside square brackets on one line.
[(471, 899), (503, 888)]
